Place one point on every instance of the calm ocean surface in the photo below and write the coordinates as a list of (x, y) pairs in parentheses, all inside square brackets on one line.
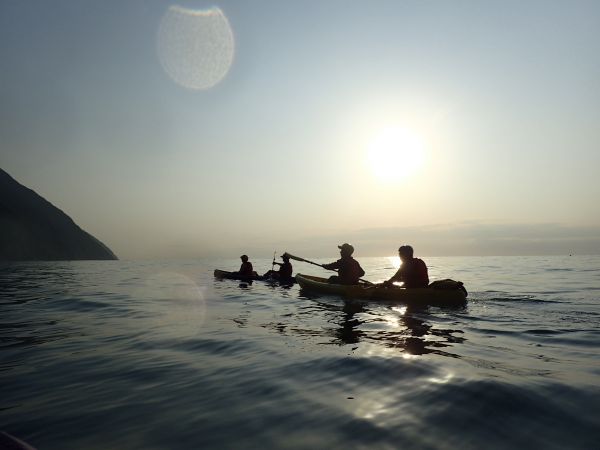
[(159, 355)]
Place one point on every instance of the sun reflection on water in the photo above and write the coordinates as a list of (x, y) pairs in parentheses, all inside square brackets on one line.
[(395, 261), (442, 380), (400, 309)]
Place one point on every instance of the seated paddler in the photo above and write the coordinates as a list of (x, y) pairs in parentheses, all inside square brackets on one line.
[(349, 270), (284, 273), (412, 272), (246, 269)]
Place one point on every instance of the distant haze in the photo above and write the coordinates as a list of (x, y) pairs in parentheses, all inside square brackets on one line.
[(192, 129)]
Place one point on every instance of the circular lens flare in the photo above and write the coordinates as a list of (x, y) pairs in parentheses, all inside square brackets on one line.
[(173, 302), (195, 48)]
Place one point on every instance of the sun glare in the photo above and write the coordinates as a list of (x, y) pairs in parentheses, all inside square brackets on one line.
[(395, 153), (394, 261)]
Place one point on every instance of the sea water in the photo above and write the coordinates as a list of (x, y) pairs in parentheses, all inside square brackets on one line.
[(160, 355)]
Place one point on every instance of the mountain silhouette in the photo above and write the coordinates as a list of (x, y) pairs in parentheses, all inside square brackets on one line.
[(32, 228)]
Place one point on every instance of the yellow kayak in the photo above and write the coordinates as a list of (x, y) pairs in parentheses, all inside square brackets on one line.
[(439, 293)]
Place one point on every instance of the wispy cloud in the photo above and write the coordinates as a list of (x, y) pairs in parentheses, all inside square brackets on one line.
[(465, 238)]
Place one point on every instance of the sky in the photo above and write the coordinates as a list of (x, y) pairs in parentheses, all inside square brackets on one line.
[(196, 129)]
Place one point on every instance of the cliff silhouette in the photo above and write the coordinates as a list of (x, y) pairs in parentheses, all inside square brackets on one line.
[(32, 228)]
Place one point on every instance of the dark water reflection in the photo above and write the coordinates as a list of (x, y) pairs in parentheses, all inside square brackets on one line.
[(405, 328), (349, 332)]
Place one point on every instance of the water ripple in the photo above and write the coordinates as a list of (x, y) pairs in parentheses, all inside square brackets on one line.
[(158, 354)]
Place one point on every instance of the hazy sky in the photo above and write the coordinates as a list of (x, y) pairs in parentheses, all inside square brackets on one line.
[(493, 109)]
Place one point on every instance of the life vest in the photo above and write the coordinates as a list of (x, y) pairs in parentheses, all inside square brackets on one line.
[(415, 274), (350, 270)]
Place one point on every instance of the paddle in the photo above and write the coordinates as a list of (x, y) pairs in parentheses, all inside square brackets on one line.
[(273, 265), (297, 258)]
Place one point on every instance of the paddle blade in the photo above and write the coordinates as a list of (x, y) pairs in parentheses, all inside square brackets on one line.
[(296, 258)]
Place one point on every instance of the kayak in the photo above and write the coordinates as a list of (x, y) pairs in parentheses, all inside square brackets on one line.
[(439, 293), (223, 274), (236, 276)]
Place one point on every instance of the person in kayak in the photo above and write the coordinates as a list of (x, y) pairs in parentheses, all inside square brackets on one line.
[(246, 269), (349, 270), (412, 271), (285, 270)]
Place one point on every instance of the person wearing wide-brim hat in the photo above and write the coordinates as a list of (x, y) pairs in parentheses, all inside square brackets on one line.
[(349, 270), (284, 274)]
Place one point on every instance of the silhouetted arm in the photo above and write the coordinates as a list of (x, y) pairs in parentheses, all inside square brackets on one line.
[(333, 265), (396, 277)]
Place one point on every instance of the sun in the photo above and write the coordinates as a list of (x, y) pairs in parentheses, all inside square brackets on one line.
[(395, 153)]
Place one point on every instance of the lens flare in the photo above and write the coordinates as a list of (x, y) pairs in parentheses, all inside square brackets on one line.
[(195, 48), (173, 302)]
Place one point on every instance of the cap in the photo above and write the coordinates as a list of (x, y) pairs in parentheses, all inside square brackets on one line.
[(346, 247)]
